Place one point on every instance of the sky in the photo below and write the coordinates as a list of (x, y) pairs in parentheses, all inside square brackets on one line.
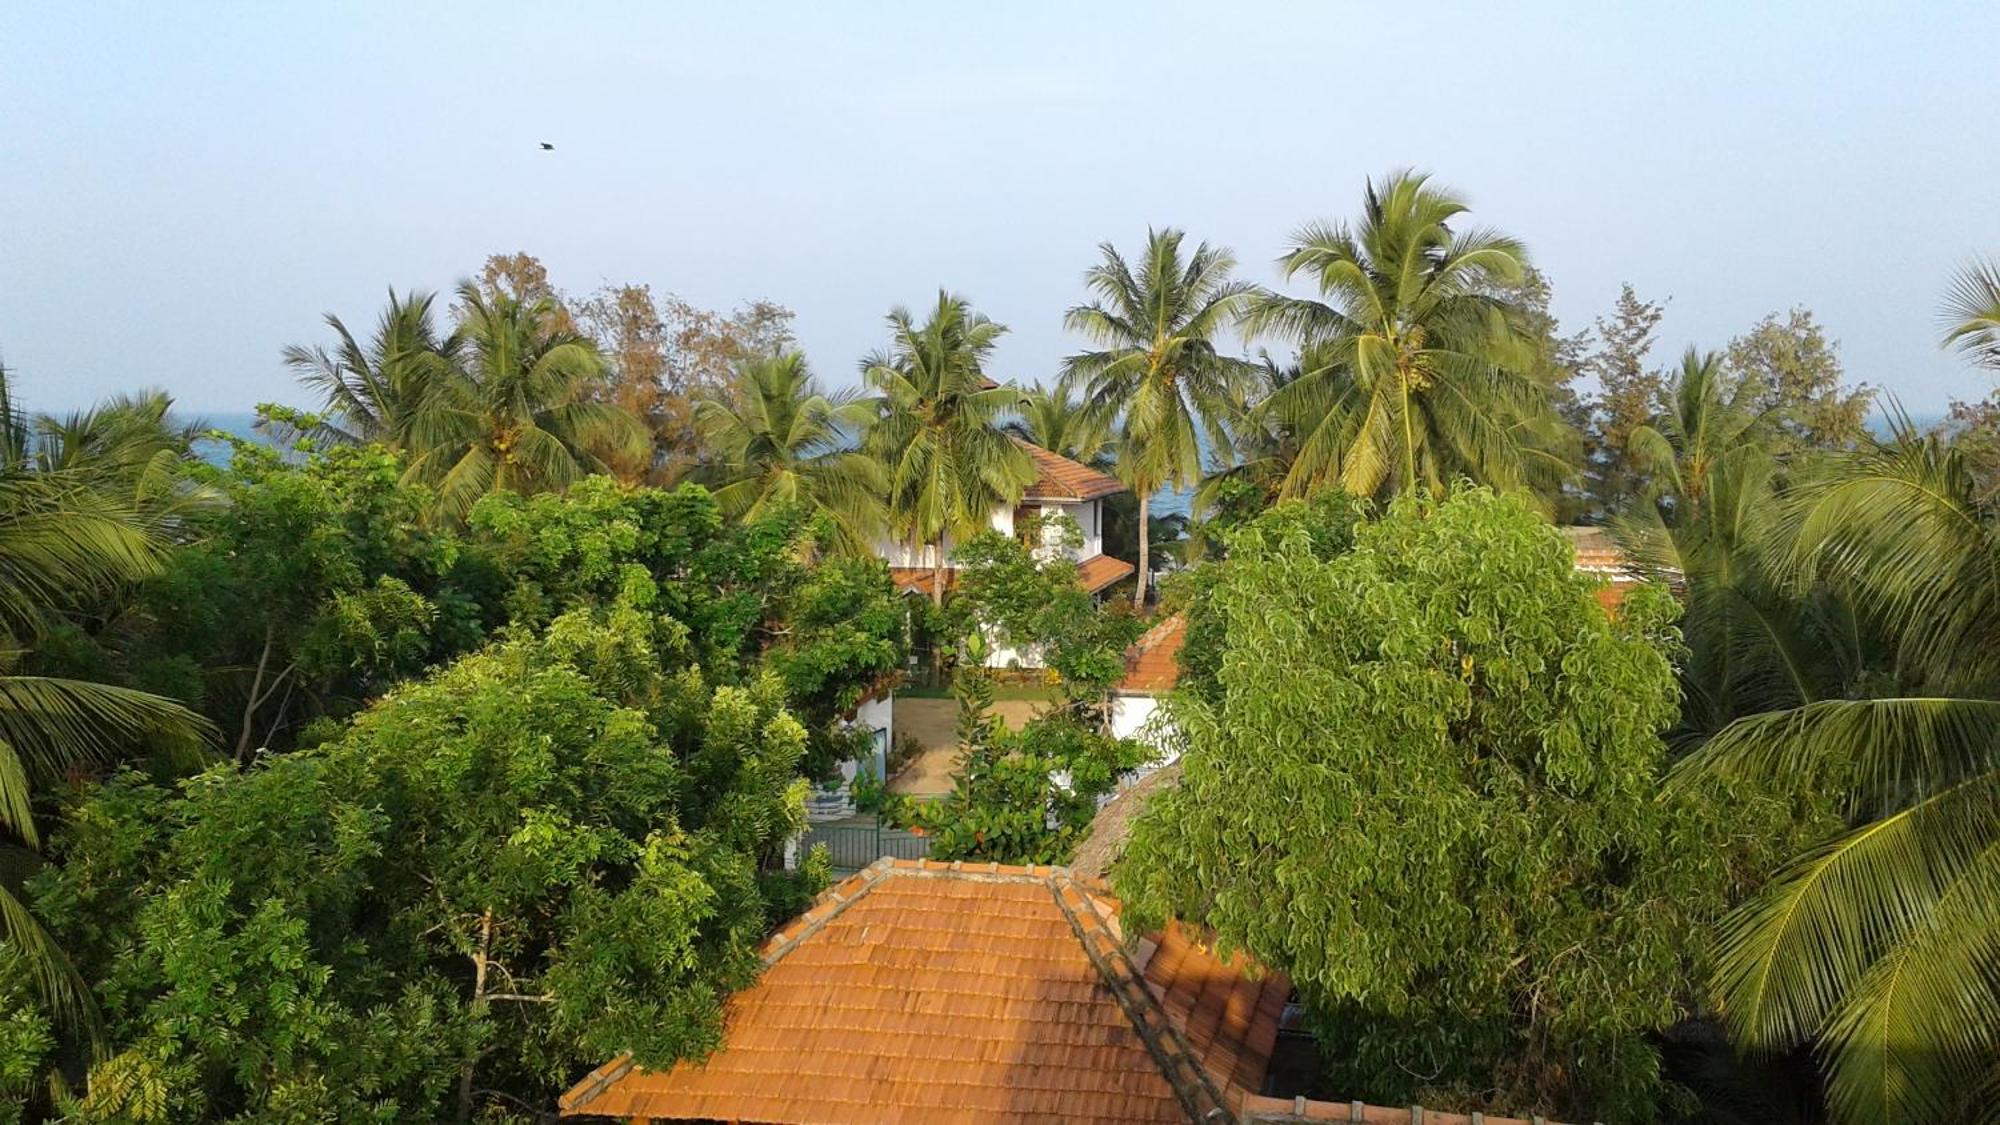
[(187, 188)]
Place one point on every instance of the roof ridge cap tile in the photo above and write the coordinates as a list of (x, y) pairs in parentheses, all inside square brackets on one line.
[(1199, 1094)]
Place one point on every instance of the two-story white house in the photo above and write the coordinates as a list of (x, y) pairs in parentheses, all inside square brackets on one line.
[(1061, 486)]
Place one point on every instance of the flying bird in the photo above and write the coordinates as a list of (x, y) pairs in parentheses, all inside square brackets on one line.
[(547, 147)]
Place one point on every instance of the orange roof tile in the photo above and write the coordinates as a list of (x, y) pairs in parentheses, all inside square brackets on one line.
[(1597, 551), (1100, 571), (921, 991), (917, 579), (1153, 662), (918, 991), (1093, 574), (1059, 478)]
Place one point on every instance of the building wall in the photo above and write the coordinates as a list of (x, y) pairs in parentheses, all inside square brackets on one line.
[(902, 554), (1132, 716)]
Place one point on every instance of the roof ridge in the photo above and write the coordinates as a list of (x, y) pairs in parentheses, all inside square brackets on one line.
[(1156, 1027)]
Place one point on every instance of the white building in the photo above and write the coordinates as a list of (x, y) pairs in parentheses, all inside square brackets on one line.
[(1062, 487), (1152, 668)]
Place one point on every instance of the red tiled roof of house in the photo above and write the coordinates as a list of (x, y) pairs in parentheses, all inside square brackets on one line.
[(919, 991), (1153, 662), (1059, 478), (1093, 574), (918, 579), (1598, 553), (1097, 572)]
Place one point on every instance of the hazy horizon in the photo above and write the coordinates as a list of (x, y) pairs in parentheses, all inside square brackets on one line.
[(191, 189)]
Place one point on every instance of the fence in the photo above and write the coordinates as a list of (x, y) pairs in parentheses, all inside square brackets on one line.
[(855, 846)]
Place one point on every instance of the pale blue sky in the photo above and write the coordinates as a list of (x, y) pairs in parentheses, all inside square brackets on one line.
[(185, 188)]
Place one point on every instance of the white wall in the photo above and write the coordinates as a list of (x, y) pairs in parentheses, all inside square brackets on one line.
[(1139, 717), (902, 554)]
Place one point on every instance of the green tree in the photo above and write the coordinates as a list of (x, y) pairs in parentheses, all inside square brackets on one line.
[(64, 542), (1156, 367), (1056, 419), (1972, 313), (374, 392), (516, 415), (1878, 947), (313, 586), (778, 439), (1630, 393), (1712, 521), (1792, 376), (938, 430), (1013, 597), (1412, 374), (547, 853), (1458, 852), (1025, 796)]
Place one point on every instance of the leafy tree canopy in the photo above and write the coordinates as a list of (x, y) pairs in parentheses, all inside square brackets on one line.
[(546, 853), (1427, 786)]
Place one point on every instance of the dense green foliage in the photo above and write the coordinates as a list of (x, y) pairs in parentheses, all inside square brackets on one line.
[(1019, 796), (545, 854), (410, 769), (1458, 850)]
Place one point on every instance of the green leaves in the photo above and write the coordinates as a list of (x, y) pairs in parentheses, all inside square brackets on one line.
[(574, 821), (1409, 374), (1424, 781)]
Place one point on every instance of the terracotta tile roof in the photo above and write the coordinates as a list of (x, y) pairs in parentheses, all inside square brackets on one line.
[(1060, 478), (1093, 574), (919, 991), (1100, 571), (917, 579), (1228, 1011), (1597, 551), (1153, 662)]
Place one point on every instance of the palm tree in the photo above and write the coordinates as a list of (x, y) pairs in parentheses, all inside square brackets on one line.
[(1156, 365), (1972, 313), (1264, 441), (1057, 420), (779, 440), (938, 428), (132, 448), (516, 413), (1882, 947), (372, 393), (64, 540), (1410, 373), (1711, 522)]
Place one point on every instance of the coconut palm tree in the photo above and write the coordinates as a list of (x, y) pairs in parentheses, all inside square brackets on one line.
[(1156, 365), (516, 413), (1972, 313), (778, 439), (372, 392), (1881, 948), (1410, 371), (132, 448), (64, 540), (1056, 419), (937, 430), (1711, 523)]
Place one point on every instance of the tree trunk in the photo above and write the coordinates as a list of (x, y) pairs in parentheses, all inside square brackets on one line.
[(478, 1001), (937, 575), (253, 698), (1145, 550)]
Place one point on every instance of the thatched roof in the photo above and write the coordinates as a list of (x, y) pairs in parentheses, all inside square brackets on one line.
[(1113, 824)]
